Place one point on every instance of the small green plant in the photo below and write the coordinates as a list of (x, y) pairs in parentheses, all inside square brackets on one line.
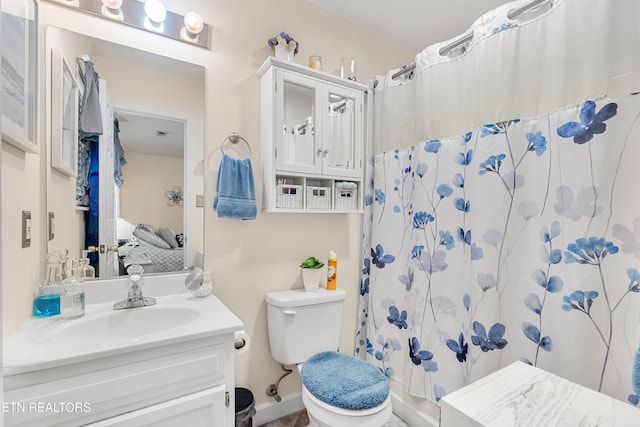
[(312, 262)]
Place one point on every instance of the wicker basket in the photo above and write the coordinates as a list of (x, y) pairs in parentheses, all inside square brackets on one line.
[(346, 199), (289, 196), (318, 197)]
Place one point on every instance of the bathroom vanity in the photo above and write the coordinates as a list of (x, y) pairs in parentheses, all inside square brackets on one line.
[(164, 365)]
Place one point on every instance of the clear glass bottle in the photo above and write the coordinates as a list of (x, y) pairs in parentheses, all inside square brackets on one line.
[(72, 296), (348, 68), (82, 270), (63, 255), (47, 301)]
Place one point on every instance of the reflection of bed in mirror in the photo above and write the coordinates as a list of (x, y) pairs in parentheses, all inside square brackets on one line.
[(156, 249)]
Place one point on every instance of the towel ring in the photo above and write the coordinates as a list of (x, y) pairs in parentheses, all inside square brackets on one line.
[(234, 138)]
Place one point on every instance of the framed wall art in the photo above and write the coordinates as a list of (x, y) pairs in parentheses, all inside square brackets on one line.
[(18, 90), (64, 115)]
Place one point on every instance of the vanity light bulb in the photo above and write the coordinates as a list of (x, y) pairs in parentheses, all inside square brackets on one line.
[(193, 23), (112, 4), (111, 9), (155, 11)]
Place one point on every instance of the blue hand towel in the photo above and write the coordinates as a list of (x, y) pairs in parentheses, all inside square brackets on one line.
[(344, 381), (236, 195)]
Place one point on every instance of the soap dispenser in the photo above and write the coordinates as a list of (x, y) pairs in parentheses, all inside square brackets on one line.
[(82, 271), (47, 301)]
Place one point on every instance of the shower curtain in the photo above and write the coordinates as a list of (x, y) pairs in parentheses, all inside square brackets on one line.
[(502, 220)]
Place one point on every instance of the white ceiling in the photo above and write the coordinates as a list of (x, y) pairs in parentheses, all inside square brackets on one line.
[(414, 23), (139, 133)]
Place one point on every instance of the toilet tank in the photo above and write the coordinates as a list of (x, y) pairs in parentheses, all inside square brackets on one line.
[(302, 323)]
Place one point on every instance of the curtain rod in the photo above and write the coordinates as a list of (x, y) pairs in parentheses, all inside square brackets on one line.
[(513, 13), (443, 51)]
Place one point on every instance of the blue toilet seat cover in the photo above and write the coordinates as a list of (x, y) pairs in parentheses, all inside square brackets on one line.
[(344, 381)]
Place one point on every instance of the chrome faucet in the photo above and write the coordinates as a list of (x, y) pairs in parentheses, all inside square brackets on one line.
[(135, 298)]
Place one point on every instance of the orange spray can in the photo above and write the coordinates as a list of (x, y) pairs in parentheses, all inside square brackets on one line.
[(332, 268)]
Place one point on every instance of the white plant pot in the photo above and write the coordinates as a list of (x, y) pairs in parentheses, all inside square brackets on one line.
[(311, 278), (283, 52)]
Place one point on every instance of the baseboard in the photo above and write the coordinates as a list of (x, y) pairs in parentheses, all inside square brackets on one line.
[(410, 414), (270, 411)]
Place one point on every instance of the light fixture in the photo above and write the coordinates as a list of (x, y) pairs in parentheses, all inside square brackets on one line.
[(149, 15), (193, 25), (112, 9), (112, 4), (70, 3), (156, 12)]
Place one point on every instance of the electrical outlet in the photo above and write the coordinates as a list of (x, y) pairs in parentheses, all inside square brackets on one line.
[(26, 229), (52, 225)]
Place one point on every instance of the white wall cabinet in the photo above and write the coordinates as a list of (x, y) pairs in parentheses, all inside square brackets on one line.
[(312, 139)]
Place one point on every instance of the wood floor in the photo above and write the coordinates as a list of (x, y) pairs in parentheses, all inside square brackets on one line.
[(297, 419)]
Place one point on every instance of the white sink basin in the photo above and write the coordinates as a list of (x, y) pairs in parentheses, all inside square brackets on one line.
[(48, 342), (119, 325)]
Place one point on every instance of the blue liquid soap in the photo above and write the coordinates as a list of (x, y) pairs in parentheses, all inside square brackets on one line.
[(46, 305)]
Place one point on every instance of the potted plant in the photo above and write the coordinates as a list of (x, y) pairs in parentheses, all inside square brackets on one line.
[(311, 273)]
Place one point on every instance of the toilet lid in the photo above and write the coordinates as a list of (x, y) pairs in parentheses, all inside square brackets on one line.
[(344, 381)]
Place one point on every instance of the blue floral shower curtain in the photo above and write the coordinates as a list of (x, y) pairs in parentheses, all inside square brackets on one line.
[(517, 241)]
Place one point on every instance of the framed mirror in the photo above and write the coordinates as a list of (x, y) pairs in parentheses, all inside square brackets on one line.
[(154, 110), (64, 123)]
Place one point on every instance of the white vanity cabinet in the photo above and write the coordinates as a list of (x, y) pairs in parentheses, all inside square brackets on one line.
[(169, 364), (187, 383), (312, 139)]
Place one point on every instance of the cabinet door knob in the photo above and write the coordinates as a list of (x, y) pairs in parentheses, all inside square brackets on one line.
[(325, 152), (319, 152)]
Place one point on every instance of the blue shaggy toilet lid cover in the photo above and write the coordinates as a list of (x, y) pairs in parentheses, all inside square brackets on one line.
[(344, 381)]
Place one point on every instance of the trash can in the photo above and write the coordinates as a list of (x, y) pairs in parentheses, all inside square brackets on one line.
[(245, 407)]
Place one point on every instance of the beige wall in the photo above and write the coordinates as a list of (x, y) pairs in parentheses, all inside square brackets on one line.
[(22, 268), (146, 178), (247, 258), (250, 258)]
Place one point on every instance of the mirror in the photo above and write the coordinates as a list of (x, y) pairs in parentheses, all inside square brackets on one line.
[(156, 110)]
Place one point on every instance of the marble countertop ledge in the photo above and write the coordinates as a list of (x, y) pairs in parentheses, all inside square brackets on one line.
[(521, 395)]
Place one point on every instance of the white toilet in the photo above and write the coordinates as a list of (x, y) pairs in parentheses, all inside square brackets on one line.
[(307, 325)]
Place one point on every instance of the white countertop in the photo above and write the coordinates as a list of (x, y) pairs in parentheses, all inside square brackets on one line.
[(35, 347), (522, 395)]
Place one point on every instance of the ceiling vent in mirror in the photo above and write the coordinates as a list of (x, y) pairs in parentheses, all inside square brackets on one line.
[(150, 15)]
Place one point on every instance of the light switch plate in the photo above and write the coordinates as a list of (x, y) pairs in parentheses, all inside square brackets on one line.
[(52, 225), (199, 201), (26, 229)]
